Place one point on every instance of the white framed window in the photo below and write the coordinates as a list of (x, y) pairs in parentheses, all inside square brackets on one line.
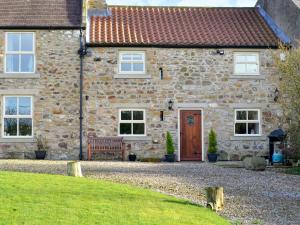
[(132, 122), (247, 122), (132, 62), (17, 116), (19, 52), (246, 63)]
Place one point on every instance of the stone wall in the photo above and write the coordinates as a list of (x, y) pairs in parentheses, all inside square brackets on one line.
[(55, 90), (193, 78)]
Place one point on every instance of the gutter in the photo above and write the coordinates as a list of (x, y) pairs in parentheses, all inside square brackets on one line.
[(41, 27)]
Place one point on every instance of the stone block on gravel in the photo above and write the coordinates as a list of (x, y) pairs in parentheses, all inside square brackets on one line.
[(255, 163)]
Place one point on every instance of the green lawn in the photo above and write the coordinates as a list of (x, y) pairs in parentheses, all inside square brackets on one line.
[(52, 199), (293, 171)]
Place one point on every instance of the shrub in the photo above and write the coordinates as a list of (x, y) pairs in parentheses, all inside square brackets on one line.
[(169, 144), (212, 142)]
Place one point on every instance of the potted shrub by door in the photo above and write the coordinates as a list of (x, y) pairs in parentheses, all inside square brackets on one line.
[(132, 157), (41, 143), (170, 156), (212, 146)]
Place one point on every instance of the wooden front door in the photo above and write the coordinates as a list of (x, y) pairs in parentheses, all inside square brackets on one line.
[(190, 135)]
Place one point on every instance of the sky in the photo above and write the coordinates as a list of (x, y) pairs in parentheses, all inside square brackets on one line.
[(212, 3)]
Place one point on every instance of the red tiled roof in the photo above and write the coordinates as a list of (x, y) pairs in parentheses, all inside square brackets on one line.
[(40, 13), (184, 27)]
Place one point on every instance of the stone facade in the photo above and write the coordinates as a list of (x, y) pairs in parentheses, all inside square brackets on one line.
[(193, 78), (55, 91)]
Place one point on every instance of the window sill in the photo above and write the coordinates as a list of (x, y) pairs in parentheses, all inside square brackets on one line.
[(248, 138), (247, 77), (17, 140), (132, 76), (20, 75), (136, 138)]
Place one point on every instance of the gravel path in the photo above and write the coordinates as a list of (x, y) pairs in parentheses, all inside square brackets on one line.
[(268, 197)]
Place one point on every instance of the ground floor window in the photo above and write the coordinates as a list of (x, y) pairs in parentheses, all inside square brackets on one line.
[(247, 122), (132, 122), (17, 116)]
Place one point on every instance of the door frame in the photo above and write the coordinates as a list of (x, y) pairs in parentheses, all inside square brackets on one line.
[(202, 131)]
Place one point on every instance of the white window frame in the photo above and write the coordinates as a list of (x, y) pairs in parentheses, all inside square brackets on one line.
[(121, 53), (132, 122), (17, 116), (20, 53), (247, 122), (246, 62)]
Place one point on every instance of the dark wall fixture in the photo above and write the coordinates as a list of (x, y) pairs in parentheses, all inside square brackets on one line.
[(161, 115), (170, 104), (161, 72), (276, 95), (220, 52), (87, 97)]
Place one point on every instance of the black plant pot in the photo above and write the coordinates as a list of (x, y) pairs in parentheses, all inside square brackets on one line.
[(170, 157), (212, 157), (40, 154), (132, 158)]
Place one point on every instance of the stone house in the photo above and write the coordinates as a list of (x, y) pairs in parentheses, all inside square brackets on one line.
[(148, 70), (39, 76)]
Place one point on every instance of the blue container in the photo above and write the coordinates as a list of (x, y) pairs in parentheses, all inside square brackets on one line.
[(277, 157)]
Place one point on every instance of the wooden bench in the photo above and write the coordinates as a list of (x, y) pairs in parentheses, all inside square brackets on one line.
[(105, 145)]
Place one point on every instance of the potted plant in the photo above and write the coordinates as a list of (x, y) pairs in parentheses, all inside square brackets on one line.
[(132, 157), (170, 156), (41, 143), (212, 146)]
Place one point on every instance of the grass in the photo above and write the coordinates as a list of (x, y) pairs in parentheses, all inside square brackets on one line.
[(52, 199), (293, 171)]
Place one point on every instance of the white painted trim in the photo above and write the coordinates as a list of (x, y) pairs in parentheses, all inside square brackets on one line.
[(246, 53), (20, 52), (132, 122), (125, 73), (18, 117), (248, 121), (202, 130)]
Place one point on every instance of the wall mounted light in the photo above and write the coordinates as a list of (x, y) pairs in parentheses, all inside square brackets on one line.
[(170, 104), (220, 52), (161, 73), (276, 95), (161, 115)]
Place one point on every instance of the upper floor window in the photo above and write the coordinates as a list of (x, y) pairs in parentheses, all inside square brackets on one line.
[(246, 63), (132, 62), (247, 122), (17, 116), (20, 52), (132, 122)]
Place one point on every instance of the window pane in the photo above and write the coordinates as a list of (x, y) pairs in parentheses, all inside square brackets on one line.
[(24, 106), (13, 42), (240, 58), (126, 57), (240, 68), (138, 128), (125, 67), (252, 68), (240, 128), (126, 115), (137, 56), (138, 67), (241, 115), (25, 127), (26, 42), (27, 63), (12, 63), (252, 115), (125, 128), (11, 106), (251, 58), (10, 127), (253, 128), (138, 115)]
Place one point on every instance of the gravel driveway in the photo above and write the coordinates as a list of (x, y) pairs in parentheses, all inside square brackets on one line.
[(267, 197)]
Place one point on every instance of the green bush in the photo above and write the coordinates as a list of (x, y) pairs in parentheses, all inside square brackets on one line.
[(169, 144), (212, 142)]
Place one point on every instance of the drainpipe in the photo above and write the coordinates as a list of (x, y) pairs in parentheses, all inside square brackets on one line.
[(82, 53)]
